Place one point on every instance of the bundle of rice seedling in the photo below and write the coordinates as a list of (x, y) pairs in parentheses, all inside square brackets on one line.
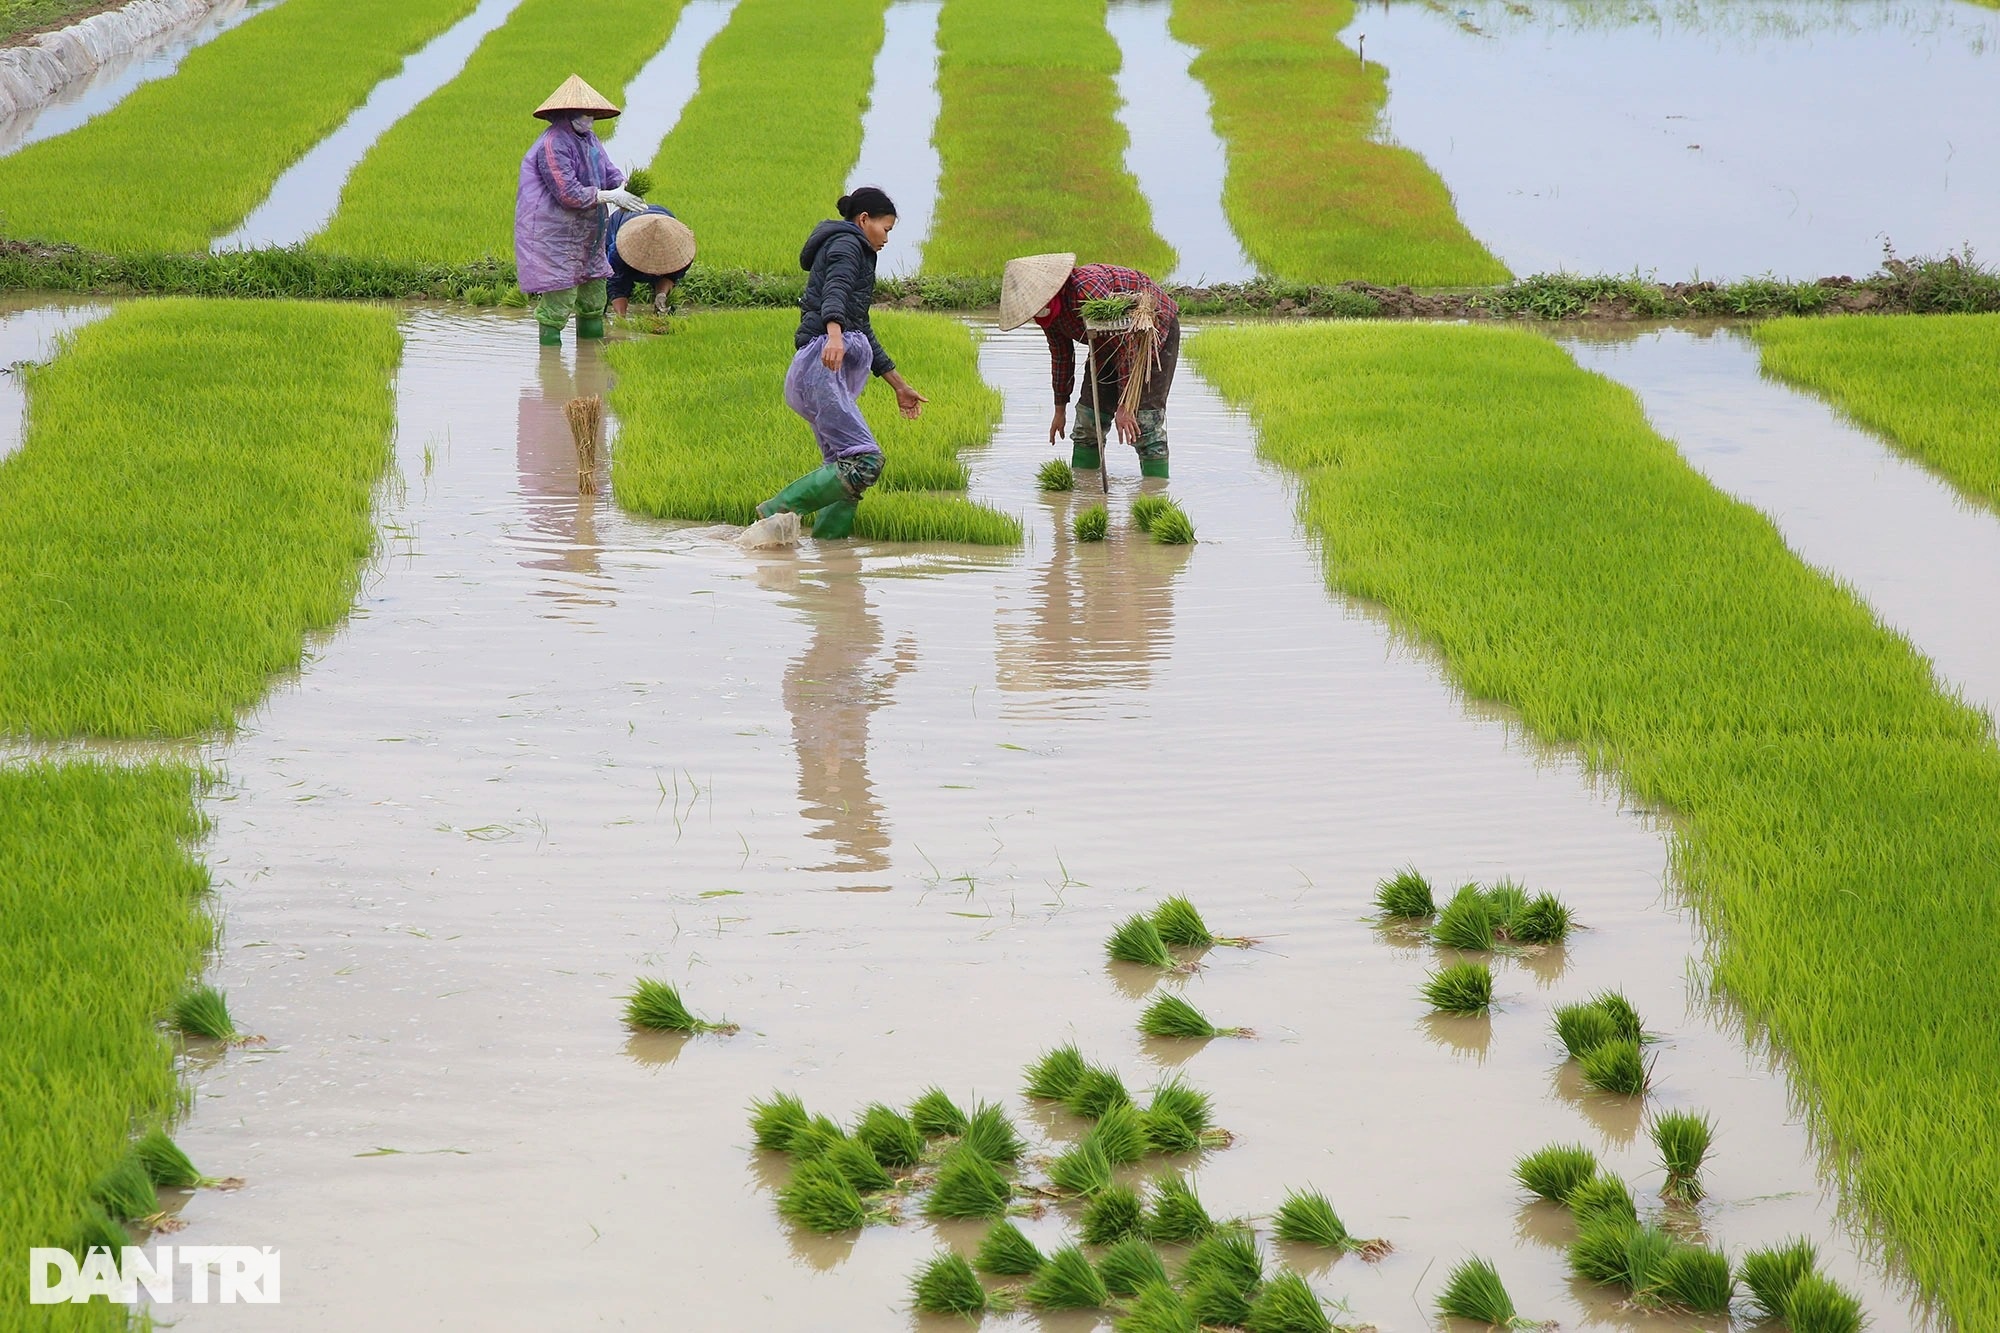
[(1191, 1106), (776, 1120), (1108, 309), (1287, 1305), (1146, 508), (1603, 1195), (1082, 1170), (639, 181), (1172, 526), (1306, 1217), (1461, 988), (820, 1198), (1158, 1308), (1138, 940), (1473, 1290), (816, 1138), (1120, 1134), (1056, 475), (98, 1230), (164, 1162), (1405, 894), (1466, 921), (1054, 1077), (1091, 525), (890, 1136), (1582, 1027), (1007, 1253), (1683, 1138), (1820, 1305), (1620, 1011), (586, 429), (1694, 1277), (1067, 1282), (126, 1192), (1113, 1214), (1179, 923), (1503, 900), (1097, 1090), (202, 1011), (1228, 1251), (1176, 1213), (947, 1285), (1616, 1066), (936, 1116), (1168, 1133), (990, 1133), (1772, 1272), (656, 1005), (1218, 1301), (1130, 1266), (1171, 1016), (968, 1186), (852, 1159), (1615, 1251), (1541, 920), (1555, 1172)]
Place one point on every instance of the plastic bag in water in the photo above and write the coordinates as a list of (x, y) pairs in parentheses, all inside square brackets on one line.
[(780, 529)]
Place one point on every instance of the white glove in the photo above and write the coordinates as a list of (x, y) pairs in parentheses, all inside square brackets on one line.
[(624, 199)]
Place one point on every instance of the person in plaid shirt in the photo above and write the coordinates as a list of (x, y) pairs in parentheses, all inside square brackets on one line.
[(1051, 290)]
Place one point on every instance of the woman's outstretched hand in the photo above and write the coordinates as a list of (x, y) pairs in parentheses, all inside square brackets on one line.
[(909, 402)]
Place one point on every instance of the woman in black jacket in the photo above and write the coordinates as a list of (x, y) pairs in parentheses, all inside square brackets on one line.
[(837, 352)]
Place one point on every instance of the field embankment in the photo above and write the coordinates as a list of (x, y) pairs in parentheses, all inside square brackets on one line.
[(439, 186), (1028, 137), (1839, 813), (1932, 386), (705, 434), (184, 160)]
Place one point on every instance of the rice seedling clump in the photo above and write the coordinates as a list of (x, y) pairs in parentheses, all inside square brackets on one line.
[(1405, 895), (1696, 1278), (1615, 1067), (1583, 1027), (1091, 525), (1191, 1106), (1466, 922), (1056, 475), (1473, 1290), (656, 1005), (126, 1191), (1218, 1301), (1772, 1272), (1228, 1252), (852, 1159), (1603, 1195), (890, 1136), (1112, 1215), (1083, 1170), (1158, 1308), (1067, 1282), (1007, 1253), (936, 1116), (816, 1138), (1120, 1134), (1556, 1172), (1176, 1212), (1541, 920), (991, 1134), (1055, 1076), (1172, 1016), (1097, 1090), (203, 1012), (1137, 940), (164, 1162), (1620, 1011), (1818, 1304), (1129, 1266), (1146, 508), (968, 1185), (1461, 988), (1172, 526), (1287, 1305), (819, 1198), (1306, 1217), (947, 1285), (1683, 1138)]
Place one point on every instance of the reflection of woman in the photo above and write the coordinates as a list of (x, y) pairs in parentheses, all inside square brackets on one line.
[(562, 523)]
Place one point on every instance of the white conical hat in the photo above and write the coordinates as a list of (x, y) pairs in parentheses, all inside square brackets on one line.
[(656, 243), (576, 95), (1027, 284)]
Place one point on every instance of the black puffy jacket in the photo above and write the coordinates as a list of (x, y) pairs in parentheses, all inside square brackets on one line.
[(840, 288)]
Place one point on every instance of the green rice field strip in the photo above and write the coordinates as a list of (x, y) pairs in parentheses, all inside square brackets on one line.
[(184, 160), (101, 926), (1930, 383), (704, 432), (439, 186), (1312, 194), (762, 150), (1837, 813), (191, 498), (1028, 137)]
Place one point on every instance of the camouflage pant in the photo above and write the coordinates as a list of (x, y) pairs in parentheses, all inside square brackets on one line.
[(1152, 441), (1152, 413)]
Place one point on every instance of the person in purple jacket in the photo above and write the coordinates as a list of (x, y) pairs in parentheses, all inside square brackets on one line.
[(566, 180)]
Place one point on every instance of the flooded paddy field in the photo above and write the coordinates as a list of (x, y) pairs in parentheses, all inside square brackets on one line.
[(880, 806)]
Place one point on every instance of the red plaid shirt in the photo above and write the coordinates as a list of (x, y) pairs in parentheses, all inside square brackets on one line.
[(1065, 328)]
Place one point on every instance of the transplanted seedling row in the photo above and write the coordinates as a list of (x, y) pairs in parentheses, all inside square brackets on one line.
[(1155, 515)]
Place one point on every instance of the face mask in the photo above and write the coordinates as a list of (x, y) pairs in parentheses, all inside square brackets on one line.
[(580, 124)]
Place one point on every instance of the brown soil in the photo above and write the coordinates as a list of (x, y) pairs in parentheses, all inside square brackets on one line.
[(76, 14)]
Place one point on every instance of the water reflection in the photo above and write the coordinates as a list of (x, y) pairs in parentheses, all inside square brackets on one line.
[(562, 525)]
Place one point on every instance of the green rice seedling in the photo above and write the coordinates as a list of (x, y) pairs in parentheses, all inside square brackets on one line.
[(1129, 1266), (1146, 508), (1772, 1272), (1168, 1133), (897, 515), (1007, 1253), (1157, 1308), (1646, 1250), (1175, 1213), (1137, 940), (1111, 1215), (1460, 988), (164, 1162), (1405, 895), (777, 1119), (639, 181), (1503, 900), (1120, 1133), (889, 1134), (1172, 527), (1306, 1217), (1696, 1278), (126, 1191), (1683, 1138), (1557, 1171), (947, 1285), (816, 1138), (1109, 309), (1082, 1170), (852, 1159), (1190, 1105), (201, 1011), (1181, 924), (1820, 1305), (1466, 922), (1541, 920), (1603, 1195), (1620, 1011), (936, 1116), (968, 1185), (1091, 524), (656, 1005), (1217, 1300), (1056, 475), (1598, 1254), (1067, 1282), (1097, 1091), (1616, 1067), (1583, 1027), (1055, 1075), (1229, 1252), (99, 1230), (1287, 1305), (819, 1198), (991, 1134), (1171, 1016), (1473, 1290)]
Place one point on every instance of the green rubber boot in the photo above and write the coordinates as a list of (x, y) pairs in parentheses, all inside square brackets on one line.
[(590, 326), (836, 520), (810, 493), (551, 334), (1153, 467)]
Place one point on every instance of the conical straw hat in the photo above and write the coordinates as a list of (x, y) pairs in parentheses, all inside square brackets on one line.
[(656, 243), (576, 95), (1027, 284)]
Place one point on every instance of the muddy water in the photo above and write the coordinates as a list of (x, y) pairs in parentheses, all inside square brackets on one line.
[(114, 80), (1922, 555), (1701, 139), (880, 805), (659, 92), (1174, 150), (896, 149), (29, 332)]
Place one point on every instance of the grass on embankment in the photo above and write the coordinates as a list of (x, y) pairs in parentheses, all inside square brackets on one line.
[(1029, 141), (705, 434), (101, 926), (20, 17), (439, 186), (763, 149), (192, 496), (184, 160), (1932, 385), (1312, 194), (1839, 815)]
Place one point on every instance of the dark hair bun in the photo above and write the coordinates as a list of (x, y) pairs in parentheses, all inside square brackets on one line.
[(869, 199), (846, 203)]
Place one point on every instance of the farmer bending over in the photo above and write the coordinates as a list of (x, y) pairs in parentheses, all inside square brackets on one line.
[(1051, 290), (566, 180), (653, 247)]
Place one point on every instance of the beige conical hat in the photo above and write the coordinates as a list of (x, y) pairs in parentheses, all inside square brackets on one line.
[(656, 243), (1027, 284), (576, 95)]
